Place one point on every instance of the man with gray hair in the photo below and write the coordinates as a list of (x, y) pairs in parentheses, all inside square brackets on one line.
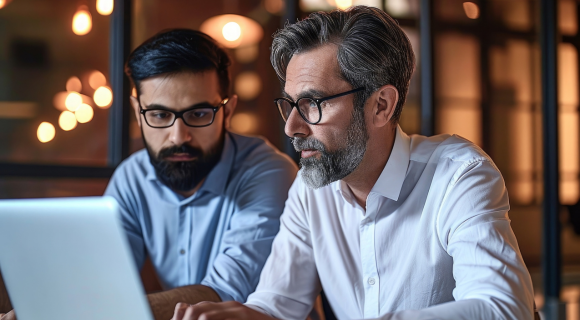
[(391, 226)]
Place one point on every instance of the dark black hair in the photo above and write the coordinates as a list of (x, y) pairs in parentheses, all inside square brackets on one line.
[(178, 50)]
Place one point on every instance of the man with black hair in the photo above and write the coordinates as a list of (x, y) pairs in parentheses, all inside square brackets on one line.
[(391, 226), (201, 202)]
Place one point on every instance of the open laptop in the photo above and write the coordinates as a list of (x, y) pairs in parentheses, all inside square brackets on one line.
[(69, 258)]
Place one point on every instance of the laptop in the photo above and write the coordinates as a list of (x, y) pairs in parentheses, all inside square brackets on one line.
[(69, 258)]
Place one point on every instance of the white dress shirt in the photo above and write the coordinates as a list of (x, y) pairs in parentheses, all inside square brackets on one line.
[(434, 242)]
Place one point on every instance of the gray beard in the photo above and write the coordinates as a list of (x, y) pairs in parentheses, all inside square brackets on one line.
[(335, 165)]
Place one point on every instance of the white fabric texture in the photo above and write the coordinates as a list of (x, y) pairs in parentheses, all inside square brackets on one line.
[(434, 242)]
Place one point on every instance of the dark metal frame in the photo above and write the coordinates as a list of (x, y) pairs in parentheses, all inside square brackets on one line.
[(120, 41), (551, 247)]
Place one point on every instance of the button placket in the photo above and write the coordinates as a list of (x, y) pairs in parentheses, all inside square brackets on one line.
[(368, 259)]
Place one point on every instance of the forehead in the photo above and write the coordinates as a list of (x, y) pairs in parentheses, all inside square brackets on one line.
[(180, 90), (314, 70)]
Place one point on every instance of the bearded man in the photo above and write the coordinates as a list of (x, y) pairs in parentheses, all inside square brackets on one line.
[(201, 202), (391, 226)]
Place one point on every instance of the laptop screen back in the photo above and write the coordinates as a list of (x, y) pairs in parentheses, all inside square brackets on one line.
[(68, 258)]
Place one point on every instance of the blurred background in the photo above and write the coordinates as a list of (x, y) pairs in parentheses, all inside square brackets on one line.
[(58, 131)]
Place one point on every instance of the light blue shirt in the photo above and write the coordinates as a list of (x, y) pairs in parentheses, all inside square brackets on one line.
[(220, 236)]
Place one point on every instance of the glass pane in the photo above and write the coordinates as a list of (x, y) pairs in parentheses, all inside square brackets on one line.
[(457, 86), (41, 58), (568, 123)]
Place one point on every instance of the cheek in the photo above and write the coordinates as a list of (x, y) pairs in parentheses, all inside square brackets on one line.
[(155, 138)]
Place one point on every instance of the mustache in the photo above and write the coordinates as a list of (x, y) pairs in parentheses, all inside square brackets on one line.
[(307, 143), (189, 150)]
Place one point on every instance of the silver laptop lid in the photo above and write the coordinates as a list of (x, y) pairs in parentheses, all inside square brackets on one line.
[(69, 258)]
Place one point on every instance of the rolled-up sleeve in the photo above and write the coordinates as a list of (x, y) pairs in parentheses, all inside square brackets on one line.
[(255, 222)]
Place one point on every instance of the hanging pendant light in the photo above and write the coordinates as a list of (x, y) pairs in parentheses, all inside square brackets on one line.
[(232, 30)]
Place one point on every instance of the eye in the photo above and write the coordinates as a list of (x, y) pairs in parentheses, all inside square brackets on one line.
[(160, 114), (199, 114)]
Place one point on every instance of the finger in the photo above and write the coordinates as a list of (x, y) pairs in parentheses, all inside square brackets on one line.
[(235, 313), (179, 311)]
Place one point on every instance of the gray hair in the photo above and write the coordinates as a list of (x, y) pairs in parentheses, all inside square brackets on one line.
[(373, 50)]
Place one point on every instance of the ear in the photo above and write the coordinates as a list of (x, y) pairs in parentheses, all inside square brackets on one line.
[(135, 105), (229, 109), (384, 104)]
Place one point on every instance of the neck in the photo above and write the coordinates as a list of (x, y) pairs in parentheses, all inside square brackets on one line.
[(364, 177), (189, 193)]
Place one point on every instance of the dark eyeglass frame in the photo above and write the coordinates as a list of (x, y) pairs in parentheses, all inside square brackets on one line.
[(179, 114), (318, 102)]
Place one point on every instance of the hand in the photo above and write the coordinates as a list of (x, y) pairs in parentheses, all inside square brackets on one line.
[(8, 316), (217, 311)]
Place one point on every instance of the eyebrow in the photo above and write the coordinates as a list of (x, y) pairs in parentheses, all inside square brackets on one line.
[(310, 93), (155, 106)]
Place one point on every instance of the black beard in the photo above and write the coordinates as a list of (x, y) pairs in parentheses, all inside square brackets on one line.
[(184, 175)]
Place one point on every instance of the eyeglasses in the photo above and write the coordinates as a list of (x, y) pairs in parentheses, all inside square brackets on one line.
[(200, 115), (308, 108)]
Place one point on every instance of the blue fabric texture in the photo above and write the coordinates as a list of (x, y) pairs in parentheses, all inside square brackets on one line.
[(220, 236)]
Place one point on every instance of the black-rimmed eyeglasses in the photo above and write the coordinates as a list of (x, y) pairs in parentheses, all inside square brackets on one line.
[(308, 108), (200, 115)]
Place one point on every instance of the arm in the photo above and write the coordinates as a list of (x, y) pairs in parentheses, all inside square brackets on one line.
[(492, 281), (289, 281), (163, 303), (247, 242), (121, 188)]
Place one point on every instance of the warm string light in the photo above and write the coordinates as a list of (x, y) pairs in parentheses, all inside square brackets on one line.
[(67, 121), (103, 97), (45, 132), (471, 10), (73, 101), (82, 21), (232, 30), (84, 113), (105, 7)]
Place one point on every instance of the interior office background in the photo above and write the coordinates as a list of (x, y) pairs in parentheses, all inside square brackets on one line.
[(486, 84)]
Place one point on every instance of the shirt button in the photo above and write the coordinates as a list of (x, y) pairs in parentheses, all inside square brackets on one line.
[(182, 251), (372, 281)]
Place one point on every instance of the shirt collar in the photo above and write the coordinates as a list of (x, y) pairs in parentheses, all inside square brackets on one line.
[(216, 180), (391, 179)]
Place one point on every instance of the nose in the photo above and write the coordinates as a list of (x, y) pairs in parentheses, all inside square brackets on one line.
[(179, 133), (296, 126)]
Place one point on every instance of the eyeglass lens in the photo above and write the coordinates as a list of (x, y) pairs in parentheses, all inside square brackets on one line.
[(306, 106), (164, 118)]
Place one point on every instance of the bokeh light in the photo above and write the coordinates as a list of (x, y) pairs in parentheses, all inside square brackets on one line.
[(244, 123), (103, 97), (74, 84), (84, 113), (59, 100), (73, 101), (97, 79), (105, 7), (343, 4), (471, 10), (67, 120), (274, 6), (231, 31), (45, 132), (82, 21), (248, 85)]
